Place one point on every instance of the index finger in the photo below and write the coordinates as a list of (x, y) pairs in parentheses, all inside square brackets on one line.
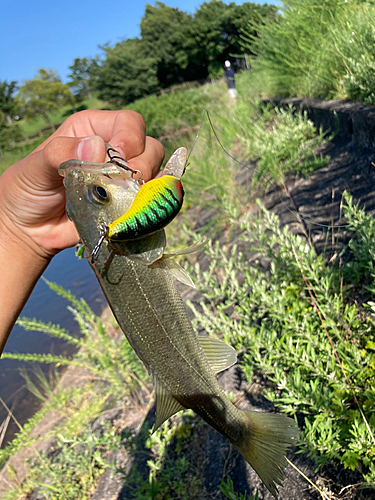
[(125, 130)]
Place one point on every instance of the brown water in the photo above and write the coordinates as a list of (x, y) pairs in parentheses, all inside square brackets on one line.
[(73, 274)]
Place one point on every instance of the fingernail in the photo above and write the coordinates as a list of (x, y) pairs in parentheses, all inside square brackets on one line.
[(90, 148)]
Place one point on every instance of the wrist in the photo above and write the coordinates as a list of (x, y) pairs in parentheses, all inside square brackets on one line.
[(22, 266), (19, 244)]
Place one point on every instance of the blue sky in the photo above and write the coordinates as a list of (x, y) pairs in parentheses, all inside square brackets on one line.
[(46, 34)]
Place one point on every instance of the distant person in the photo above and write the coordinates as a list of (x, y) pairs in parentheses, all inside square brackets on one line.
[(229, 78)]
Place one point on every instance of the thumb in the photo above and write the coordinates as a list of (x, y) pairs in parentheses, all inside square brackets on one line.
[(92, 149), (41, 167)]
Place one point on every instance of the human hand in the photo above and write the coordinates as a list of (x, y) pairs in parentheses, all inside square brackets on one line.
[(32, 195)]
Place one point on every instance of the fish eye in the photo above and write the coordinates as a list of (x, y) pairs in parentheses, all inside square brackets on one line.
[(97, 195)]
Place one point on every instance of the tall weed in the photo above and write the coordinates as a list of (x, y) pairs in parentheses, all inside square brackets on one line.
[(319, 48), (110, 362)]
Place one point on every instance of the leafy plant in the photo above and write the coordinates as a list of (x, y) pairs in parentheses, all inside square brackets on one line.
[(227, 489), (318, 48), (290, 315), (71, 468), (282, 140), (117, 373), (110, 361), (170, 473)]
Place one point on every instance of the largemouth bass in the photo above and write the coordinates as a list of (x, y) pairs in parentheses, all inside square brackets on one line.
[(138, 282)]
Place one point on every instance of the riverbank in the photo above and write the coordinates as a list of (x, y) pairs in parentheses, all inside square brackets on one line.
[(188, 449)]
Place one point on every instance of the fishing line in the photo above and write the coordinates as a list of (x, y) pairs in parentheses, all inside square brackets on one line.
[(206, 113)]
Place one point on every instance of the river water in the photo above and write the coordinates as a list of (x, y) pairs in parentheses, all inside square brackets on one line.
[(73, 274)]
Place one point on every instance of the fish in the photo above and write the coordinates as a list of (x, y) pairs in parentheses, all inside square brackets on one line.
[(138, 280)]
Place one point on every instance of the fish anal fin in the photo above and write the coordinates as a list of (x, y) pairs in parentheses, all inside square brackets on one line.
[(166, 405), (220, 355)]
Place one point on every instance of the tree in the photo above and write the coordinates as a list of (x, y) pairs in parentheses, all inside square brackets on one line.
[(163, 30), (175, 47), (8, 102), (43, 94), (82, 76), (10, 134), (127, 73), (217, 29)]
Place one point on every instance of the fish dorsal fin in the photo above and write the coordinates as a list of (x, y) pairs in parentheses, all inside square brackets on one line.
[(179, 272), (166, 405), (220, 355)]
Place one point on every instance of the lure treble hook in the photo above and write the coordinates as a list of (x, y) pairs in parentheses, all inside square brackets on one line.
[(122, 163), (103, 233)]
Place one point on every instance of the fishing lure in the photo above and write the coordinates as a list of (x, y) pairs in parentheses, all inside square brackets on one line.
[(157, 203)]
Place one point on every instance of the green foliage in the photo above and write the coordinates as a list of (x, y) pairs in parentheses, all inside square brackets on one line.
[(10, 132), (43, 94), (40, 384), (227, 489), (262, 306), (8, 101), (79, 463), (169, 112), (72, 467), (23, 439), (170, 473), (282, 140), (318, 48), (216, 30), (277, 141), (175, 47), (82, 76), (163, 39), (127, 73), (113, 362), (359, 270)]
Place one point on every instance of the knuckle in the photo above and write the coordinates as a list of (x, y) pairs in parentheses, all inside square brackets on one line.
[(50, 150)]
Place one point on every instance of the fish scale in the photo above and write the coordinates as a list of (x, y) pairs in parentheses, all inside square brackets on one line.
[(153, 303)]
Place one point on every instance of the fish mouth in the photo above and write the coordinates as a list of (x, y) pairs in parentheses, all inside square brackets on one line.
[(107, 169), (66, 166)]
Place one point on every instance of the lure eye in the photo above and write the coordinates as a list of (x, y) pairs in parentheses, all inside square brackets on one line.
[(97, 195)]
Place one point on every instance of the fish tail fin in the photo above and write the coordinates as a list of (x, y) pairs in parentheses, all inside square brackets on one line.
[(268, 439)]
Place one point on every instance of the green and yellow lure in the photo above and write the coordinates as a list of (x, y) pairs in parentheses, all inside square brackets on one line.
[(157, 203)]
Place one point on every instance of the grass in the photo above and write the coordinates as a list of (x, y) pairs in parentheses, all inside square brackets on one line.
[(318, 48), (30, 127)]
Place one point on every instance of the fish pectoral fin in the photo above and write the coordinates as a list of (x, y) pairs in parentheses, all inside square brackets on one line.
[(166, 405), (198, 245), (179, 272), (220, 355)]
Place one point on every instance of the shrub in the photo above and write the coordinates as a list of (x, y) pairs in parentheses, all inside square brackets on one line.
[(263, 304)]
